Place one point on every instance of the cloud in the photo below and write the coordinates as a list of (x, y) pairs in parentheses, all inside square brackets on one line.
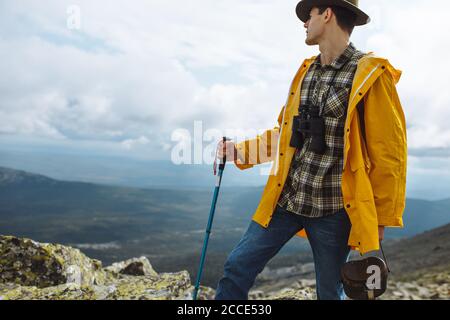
[(415, 41), (151, 67), (430, 152), (132, 143)]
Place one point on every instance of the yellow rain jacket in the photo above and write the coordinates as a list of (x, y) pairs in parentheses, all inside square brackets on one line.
[(374, 174)]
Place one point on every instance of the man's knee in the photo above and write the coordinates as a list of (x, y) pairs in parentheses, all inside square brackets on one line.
[(234, 262)]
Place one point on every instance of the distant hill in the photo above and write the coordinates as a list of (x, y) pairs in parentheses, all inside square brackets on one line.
[(166, 225), (420, 254), (116, 223), (101, 167), (422, 215), (12, 178), (122, 171), (24, 193)]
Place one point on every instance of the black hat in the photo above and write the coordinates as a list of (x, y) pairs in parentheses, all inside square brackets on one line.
[(304, 8)]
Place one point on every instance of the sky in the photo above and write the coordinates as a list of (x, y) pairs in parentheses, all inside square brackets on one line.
[(130, 77)]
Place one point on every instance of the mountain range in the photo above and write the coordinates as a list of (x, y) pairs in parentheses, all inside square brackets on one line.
[(113, 223)]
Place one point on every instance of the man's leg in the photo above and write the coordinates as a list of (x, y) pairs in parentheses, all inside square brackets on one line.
[(328, 237), (253, 252)]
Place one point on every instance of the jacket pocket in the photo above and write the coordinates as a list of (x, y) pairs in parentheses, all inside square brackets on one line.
[(363, 187), (356, 163)]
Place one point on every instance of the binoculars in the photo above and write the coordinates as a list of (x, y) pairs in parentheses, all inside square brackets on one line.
[(309, 124)]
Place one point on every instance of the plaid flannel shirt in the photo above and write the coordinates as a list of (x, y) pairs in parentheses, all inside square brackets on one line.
[(313, 185)]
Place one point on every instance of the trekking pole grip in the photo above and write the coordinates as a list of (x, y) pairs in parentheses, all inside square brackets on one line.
[(224, 159)]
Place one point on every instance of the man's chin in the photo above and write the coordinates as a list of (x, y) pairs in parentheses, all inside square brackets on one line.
[(310, 42)]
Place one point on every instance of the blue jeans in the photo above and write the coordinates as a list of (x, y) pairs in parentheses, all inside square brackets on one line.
[(328, 237)]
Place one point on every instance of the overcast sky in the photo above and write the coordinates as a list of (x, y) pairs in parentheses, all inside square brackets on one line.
[(136, 71)]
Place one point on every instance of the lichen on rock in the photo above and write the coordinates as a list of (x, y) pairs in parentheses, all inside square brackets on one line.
[(29, 263), (135, 267), (40, 271)]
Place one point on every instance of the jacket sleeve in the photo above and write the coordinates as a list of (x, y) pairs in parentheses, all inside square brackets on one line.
[(260, 150), (387, 150)]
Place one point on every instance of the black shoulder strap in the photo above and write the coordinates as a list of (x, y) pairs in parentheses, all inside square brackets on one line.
[(362, 123)]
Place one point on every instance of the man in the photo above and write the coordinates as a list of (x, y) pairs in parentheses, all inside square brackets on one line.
[(339, 153)]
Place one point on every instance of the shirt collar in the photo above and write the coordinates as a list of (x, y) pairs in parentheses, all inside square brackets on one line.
[(339, 62)]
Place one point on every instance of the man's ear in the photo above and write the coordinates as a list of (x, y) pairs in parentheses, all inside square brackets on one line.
[(328, 14)]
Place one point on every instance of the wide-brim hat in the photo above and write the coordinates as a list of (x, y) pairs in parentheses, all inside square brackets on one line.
[(304, 8)]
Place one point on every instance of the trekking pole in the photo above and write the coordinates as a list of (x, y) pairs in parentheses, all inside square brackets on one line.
[(210, 220)]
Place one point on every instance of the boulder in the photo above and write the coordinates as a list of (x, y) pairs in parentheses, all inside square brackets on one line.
[(29, 263), (135, 267), (40, 271)]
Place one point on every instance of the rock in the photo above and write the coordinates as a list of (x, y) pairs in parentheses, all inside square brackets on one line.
[(204, 293), (135, 267), (166, 286), (169, 286), (409, 286), (64, 273), (434, 296), (302, 283), (41, 271), (256, 295), (434, 285), (423, 292), (29, 263), (292, 294), (397, 294), (68, 291)]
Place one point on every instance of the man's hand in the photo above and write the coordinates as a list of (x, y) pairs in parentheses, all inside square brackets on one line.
[(381, 233), (228, 148)]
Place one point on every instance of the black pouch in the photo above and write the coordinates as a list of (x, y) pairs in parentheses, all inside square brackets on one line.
[(365, 279)]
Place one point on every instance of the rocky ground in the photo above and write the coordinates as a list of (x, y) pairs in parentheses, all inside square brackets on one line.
[(32, 270), (433, 286)]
